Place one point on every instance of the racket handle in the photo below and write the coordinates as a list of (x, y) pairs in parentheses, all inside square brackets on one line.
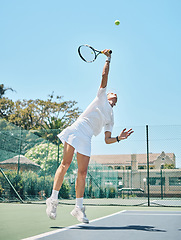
[(110, 51)]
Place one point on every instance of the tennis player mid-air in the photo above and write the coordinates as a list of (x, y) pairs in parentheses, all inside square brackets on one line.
[(77, 137)]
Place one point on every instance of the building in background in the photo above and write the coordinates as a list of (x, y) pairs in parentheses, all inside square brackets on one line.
[(165, 179), (135, 161)]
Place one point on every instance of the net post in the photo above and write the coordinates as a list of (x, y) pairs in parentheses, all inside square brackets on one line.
[(148, 168)]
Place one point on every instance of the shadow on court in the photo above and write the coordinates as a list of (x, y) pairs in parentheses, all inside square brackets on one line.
[(130, 227), (57, 227)]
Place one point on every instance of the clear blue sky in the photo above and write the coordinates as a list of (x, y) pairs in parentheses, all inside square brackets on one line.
[(38, 55)]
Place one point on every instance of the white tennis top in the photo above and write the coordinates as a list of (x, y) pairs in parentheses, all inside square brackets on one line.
[(98, 114)]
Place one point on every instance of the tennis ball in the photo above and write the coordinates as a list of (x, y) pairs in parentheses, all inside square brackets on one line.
[(117, 22)]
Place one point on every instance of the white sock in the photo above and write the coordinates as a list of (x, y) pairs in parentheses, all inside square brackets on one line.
[(79, 202), (54, 194)]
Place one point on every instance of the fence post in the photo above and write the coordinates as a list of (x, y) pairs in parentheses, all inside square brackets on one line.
[(148, 168), (19, 152), (45, 166), (58, 152)]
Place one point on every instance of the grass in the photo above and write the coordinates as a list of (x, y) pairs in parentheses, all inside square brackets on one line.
[(19, 221)]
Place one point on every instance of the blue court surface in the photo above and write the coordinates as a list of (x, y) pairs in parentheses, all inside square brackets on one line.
[(146, 225)]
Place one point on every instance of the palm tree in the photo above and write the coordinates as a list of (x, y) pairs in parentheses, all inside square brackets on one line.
[(3, 90), (50, 130)]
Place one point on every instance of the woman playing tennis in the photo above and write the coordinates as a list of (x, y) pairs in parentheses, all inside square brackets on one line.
[(78, 137)]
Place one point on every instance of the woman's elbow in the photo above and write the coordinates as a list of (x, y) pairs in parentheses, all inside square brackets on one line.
[(107, 141)]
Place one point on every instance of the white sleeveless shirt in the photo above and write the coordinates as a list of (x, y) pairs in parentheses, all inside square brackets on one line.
[(98, 114)]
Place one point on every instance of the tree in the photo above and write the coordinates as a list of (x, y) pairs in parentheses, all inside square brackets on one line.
[(169, 166), (6, 107), (51, 130), (39, 114), (3, 90)]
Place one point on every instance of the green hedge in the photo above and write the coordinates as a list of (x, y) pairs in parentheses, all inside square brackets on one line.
[(30, 185)]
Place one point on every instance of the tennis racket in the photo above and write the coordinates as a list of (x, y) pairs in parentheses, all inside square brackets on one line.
[(88, 53)]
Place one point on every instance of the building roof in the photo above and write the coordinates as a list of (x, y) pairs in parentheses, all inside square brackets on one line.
[(25, 163), (125, 159)]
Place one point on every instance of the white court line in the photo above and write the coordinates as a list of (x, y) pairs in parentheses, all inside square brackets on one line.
[(67, 228), (152, 213)]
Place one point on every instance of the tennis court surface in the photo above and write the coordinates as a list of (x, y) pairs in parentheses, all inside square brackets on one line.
[(126, 224)]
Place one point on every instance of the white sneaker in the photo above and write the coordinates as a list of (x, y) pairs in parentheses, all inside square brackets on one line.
[(51, 208), (79, 213)]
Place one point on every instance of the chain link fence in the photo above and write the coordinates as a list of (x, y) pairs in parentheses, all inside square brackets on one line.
[(117, 179)]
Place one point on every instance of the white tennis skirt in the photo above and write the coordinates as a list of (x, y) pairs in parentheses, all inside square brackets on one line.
[(79, 136)]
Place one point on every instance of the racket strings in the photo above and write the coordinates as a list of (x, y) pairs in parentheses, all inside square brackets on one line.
[(87, 53)]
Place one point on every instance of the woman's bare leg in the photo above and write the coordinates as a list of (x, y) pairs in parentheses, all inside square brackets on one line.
[(52, 202), (79, 210), (62, 169), (83, 162)]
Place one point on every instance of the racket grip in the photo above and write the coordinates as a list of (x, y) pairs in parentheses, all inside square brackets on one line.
[(110, 51)]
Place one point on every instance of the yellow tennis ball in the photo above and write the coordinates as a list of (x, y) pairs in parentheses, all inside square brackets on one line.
[(117, 22)]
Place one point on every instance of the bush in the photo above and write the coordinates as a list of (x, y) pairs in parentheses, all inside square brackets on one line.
[(1, 190), (16, 181), (102, 193), (29, 184), (112, 192), (64, 191)]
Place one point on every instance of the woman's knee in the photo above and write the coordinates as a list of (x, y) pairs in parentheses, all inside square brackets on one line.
[(82, 173), (65, 165), (67, 157)]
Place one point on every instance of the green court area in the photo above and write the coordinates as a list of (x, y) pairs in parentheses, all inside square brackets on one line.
[(20, 221)]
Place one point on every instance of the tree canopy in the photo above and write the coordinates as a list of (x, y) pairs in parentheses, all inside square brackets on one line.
[(3, 90), (53, 113)]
